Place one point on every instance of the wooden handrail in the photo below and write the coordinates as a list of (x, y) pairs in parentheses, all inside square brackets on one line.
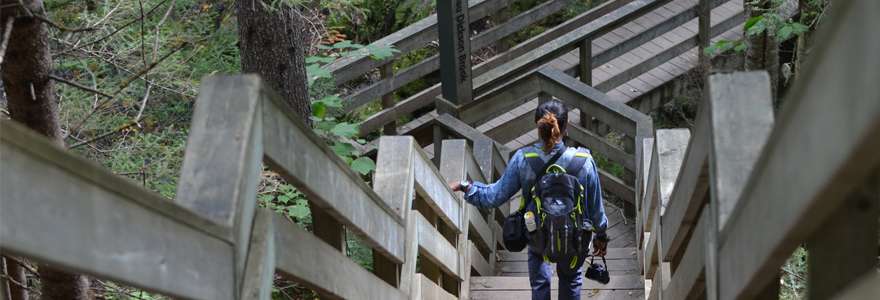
[(62, 209), (214, 243), (750, 191), (428, 96)]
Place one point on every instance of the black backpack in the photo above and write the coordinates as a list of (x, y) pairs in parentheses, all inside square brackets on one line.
[(562, 229)]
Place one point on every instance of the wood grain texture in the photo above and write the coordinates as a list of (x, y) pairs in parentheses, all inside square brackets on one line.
[(433, 246), (259, 271), (428, 290), (585, 98), (109, 227), (691, 186), (598, 144), (405, 40), (304, 258), (688, 281), (842, 133), (741, 118), (327, 181), (427, 96), (501, 283)]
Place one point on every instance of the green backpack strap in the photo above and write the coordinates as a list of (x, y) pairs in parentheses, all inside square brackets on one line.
[(577, 162), (538, 166)]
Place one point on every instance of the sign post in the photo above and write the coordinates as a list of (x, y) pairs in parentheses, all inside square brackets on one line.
[(455, 51)]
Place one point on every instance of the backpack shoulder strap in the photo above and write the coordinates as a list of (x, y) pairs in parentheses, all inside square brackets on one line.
[(577, 162), (534, 160)]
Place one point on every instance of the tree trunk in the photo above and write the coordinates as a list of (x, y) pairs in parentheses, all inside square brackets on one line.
[(15, 272), (271, 45), (762, 50), (31, 101)]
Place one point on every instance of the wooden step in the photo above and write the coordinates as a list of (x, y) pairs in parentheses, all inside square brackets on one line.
[(499, 283), (585, 294), (613, 253), (512, 268)]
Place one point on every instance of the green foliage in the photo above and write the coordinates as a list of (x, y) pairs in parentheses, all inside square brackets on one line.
[(793, 281), (286, 200), (327, 107), (773, 21), (605, 164)]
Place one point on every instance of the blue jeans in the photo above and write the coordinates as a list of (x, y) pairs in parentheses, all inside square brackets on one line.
[(569, 279)]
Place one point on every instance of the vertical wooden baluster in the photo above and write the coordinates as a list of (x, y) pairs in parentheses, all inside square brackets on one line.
[(585, 69), (704, 15), (387, 71)]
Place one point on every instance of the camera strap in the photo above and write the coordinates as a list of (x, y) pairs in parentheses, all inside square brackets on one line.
[(603, 261)]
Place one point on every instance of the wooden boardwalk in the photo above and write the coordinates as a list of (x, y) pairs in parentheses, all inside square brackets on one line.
[(511, 270), (653, 80)]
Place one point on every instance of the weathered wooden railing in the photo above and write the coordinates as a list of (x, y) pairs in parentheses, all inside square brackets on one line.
[(722, 207), (550, 82), (500, 72), (421, 34), (213, 242)]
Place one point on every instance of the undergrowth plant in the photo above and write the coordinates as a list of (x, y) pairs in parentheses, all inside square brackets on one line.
[(773, 20), (330, 123)]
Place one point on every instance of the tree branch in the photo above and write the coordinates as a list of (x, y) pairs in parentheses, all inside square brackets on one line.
[(106, 134), (116, 30), (79, 86), (122, 87), (10, 280)]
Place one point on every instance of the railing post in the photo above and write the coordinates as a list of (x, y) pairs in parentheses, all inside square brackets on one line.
[(453, 168), (629, 176), (387, 71), (395, 184), (219, 178), (704, 16), (585, 68), (741, 118), (502, 44)]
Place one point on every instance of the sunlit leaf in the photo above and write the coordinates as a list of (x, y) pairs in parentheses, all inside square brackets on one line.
[(318, 110), (345, 130), (751, 22), (363, 165), (298, 211)]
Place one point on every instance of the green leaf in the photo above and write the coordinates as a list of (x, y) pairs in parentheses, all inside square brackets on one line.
[(315, 70), (302, 202), (267, 198), (784, 32), (357, 46), (345, 130), (740, 47), (298, 211), (315, 119), (313, 59), (751, 22), (363, 165), (318, 110), (325, 47), (343, 149), (799, 28), (331, 101), (283, 198), (342, 45), (710, 49), (361, 141)]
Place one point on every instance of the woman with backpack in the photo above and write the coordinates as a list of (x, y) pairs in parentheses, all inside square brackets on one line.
[(561, 192)]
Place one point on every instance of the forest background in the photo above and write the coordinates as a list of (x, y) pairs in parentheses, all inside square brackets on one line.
[(127, 74)]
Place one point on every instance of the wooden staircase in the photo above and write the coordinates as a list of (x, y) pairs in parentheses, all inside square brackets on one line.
[(511, 280)]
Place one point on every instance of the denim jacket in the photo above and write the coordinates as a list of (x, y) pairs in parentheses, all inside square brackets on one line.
[(519, 176)]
